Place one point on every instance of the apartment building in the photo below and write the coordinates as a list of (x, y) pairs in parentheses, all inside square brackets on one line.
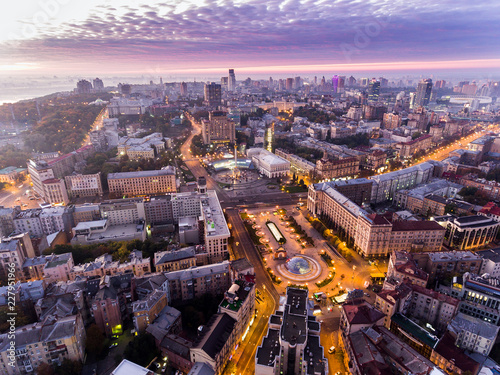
[(84, 185), (292, 343), (55, 191), (7, 215), (473, 334), (50, 341), (408, 149), (239, 303), (86, 212), (121, 211), (146, 310), (386, 185), (166, 261), (107, 308), (105, 266), (196, 281), (375, 160), (328, 168), (218, 128), (14, 251), (490, 262), (445, 355), (392, 301), (432, 307), (402, 267), (146, 147), (132, 184), (29, 221), (39, 171), (215, 343), (441, 263), (216, 231), (57, 267), (414, 236)]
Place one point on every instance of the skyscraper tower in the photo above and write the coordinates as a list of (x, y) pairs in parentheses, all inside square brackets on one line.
[(184, 89), (335, 84), (373, 90), (231, 83), (423, 94), (213, 94)]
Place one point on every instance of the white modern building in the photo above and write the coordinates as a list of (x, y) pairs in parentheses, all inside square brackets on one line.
[(269, 164)]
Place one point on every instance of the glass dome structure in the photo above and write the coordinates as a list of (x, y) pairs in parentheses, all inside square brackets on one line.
[(298, 265)]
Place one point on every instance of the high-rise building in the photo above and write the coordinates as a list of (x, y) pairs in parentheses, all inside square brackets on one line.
[(341, 87), (440, 84), (297, 83), (373, 90), (351, 81), (231, 83), (224, 82), (423, 94), (289, 84), (98, 84), (213, 94), (218, 128), (184, 89), (83, 86), (292, 344), (335, 84), (39, 171)]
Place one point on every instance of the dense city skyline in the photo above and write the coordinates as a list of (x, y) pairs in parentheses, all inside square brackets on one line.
[(57, 36)]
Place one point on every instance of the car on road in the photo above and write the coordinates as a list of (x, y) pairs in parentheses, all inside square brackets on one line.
[(331, 350), (113, 345)]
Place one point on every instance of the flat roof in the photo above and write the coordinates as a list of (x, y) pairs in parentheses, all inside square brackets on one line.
[(130, 368), (154, 173)]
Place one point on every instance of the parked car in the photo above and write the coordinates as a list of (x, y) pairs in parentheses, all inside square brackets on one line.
[(331, 350)]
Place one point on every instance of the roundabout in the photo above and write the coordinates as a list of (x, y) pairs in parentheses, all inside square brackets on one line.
[(300, 269)]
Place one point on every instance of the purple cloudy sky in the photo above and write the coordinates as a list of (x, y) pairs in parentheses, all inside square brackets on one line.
[(125, 36)]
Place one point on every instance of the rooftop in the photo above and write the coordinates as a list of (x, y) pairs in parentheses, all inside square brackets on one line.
[(215, 334), (130, 368), (171, 256), (154, 173), (361, 313), (476, 326), (195, 272), (447, 349), (269, 349), (414, 330), (416, 226)]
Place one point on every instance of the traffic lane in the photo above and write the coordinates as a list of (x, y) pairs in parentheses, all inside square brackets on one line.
[(246, 246)]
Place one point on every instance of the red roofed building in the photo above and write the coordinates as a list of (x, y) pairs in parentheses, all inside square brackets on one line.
[(424, 236), (359, 314), (452, 359), (491, 210), (409, 271), (392, 301)]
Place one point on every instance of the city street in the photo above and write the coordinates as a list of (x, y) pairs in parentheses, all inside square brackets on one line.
[(246, 249)]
